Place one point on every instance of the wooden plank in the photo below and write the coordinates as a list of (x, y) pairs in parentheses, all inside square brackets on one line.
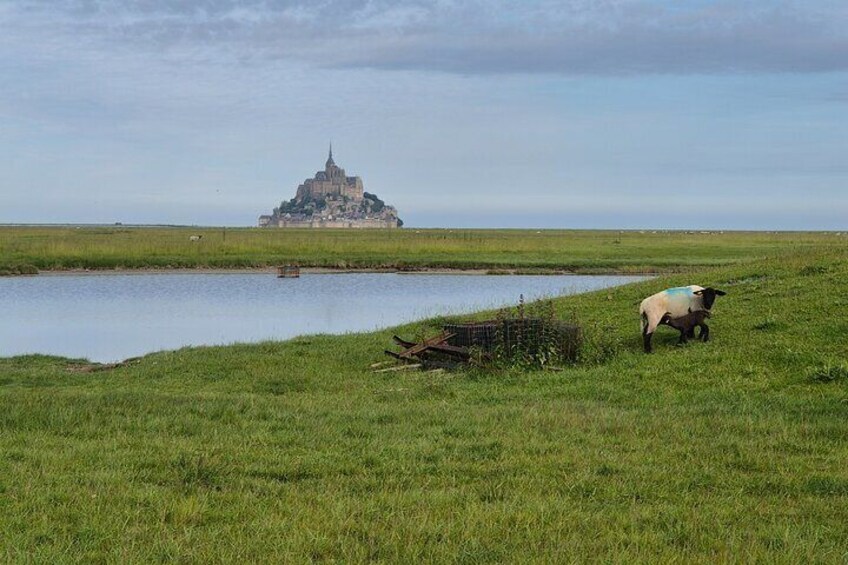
[(424, 345), (451, 350), (399, 368), (403, 342)]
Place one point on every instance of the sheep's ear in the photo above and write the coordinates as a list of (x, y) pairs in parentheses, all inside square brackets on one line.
[(720, 293)]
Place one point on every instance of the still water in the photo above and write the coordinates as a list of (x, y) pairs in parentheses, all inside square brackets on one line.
[(112, 317)]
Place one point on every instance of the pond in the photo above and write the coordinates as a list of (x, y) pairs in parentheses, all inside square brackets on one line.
[(111, 317)]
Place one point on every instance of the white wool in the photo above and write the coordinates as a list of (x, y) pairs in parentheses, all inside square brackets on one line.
[(676, 302)]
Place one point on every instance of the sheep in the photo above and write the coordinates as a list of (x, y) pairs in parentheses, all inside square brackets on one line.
[(195, 237), (673, 304), (686, 325)]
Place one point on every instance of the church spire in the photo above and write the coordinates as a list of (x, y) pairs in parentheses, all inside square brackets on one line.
[(330, 158)]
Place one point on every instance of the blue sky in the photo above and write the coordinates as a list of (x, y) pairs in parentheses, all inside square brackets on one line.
[(607, 114)]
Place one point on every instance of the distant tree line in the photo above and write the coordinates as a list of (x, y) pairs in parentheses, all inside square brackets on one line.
[(306, 206)]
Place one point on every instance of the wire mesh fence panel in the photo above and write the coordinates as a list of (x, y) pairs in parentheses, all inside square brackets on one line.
[(529, 336)]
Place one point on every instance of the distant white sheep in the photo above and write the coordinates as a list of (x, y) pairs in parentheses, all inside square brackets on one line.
[(195, 237), (672, 305)]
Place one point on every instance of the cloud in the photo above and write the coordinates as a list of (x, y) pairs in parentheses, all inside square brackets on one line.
[(212, 111), (569, 37)]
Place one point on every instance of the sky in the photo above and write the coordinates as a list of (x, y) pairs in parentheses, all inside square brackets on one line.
[(631, 114)]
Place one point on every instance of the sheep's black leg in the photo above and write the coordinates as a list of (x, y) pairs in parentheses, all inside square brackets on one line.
[(691, 333), (705, 332), (684, 337), (646, 341)]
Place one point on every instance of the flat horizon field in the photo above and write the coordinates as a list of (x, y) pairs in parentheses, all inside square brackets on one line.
[(295, 451), (30, 249)]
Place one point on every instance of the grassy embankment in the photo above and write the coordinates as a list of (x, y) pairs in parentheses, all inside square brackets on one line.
[(58, 248), (295, 451)]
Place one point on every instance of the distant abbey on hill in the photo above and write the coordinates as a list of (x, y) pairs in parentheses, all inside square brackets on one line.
[(332, 200)]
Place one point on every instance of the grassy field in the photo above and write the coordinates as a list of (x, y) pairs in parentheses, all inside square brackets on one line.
[(733, 450), (56, 248)]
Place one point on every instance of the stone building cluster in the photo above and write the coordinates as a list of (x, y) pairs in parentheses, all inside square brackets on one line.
[(331, 199)]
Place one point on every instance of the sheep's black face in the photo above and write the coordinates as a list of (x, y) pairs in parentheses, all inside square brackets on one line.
[(709, 295)]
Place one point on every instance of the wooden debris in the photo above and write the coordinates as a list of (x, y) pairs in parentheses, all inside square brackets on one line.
[(432, 352), (413, 349), (451, 350), (399, 368), (288, 271), (454, 345)]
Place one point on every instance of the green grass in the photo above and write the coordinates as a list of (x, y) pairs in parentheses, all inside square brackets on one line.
[(56, 248), (733, 450)]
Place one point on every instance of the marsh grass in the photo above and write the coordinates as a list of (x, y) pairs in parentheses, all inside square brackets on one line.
[(13, 269), (529, 251), (295, 452)]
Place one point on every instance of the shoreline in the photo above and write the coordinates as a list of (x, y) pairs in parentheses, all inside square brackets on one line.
[(507, 271)]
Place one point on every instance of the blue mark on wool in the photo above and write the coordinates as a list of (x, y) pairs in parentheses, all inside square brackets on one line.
[(680, 290)]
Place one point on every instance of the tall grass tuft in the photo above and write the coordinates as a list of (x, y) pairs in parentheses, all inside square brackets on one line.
[(829, 373)]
